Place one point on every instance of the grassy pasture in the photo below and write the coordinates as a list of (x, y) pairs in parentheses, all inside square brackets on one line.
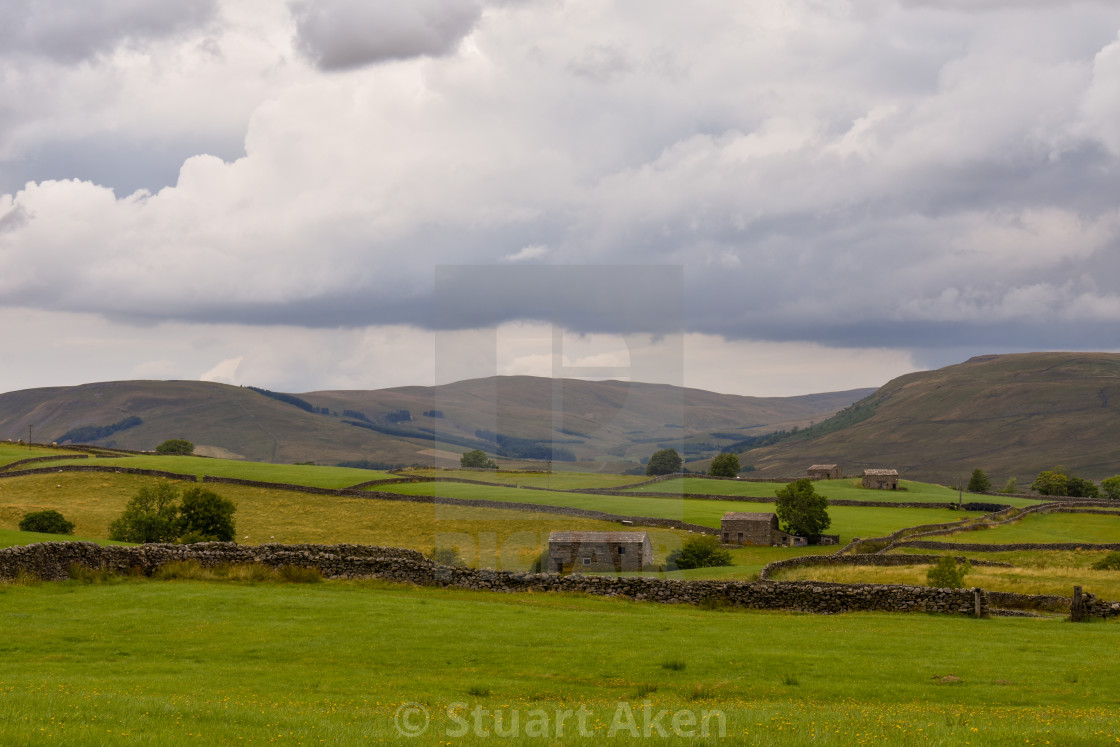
[(176, 662), (493, 538), (1045, 528), (10, 452), (557, 480), (847, 521), (1052, 580), (846, 489), (293, 474)]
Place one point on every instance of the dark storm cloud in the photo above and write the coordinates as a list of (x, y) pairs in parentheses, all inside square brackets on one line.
[(344, 34), (69, 32)]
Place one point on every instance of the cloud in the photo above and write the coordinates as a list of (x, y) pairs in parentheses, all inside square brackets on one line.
[(883, 176), (345, 34), (535, 251), (68, 32)]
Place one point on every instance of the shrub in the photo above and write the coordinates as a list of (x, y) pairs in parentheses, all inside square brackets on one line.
[(1012, 486), (205, 516), (947, 573), (1111, 487), (47, 522), (151, 516), (1110, 562), (699, 552), (447, 556)]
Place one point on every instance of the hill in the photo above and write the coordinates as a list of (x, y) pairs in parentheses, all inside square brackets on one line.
[(605, 426), (1011, 415)]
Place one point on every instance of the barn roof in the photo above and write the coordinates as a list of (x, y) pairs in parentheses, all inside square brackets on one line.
[(635, 537), (824, 466), (747, 516), (881, 472)]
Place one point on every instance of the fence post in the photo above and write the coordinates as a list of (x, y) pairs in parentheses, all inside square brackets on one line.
[(976, 601), (1077, 607)]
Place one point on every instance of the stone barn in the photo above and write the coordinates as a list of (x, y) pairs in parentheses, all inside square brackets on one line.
[(825, 472), (749, 528), (880, 479), (572, 552)]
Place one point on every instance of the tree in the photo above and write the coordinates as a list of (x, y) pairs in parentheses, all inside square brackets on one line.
[(1078, 487), (724, 465), (802, 510), (979, 483), (1111, 487), (664, 462), (151, 516), (46, 522), (1051, 482), (699, 552), (175, 446), (477, 459), (947, 573), (204, 516), (1012, 486)]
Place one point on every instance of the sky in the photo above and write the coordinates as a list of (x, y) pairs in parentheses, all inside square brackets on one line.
[(759, 197)]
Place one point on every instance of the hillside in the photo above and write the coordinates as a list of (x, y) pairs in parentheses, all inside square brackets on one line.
[(605, 426), (1011, 415)]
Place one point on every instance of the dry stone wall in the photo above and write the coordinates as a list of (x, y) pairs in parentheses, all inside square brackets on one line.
[(52, 561)]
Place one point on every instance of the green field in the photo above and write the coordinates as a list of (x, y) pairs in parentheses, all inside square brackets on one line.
[(10, 452), (178, 662), (847, 521), (1045, 528), (294, 474), (556, 480), (847, 489), (489, 537)]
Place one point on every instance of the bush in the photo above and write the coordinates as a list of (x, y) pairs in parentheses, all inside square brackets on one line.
[(1110, 562), (176, 446), (947, 573), (1012, 486), (1111, 487), (725, 465), (699, 552), (155, 515), (47, 522), (446, 556)]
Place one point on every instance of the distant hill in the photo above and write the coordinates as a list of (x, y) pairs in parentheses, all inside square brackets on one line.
[(606, 426), (1011, 415)]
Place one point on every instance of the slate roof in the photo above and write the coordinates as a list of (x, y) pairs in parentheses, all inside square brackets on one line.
[(746, 516), (634, 537), (881, 472)]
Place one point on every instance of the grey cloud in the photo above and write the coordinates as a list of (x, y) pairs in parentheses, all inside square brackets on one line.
[(343, 34), (602, 63), (69, 32)]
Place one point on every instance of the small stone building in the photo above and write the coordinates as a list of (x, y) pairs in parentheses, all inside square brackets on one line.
[(573, 552), (880, 479), (825, 472), (750, 528)]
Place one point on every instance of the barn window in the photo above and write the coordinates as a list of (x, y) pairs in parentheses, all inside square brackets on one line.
[(587, 561), (622, 551)]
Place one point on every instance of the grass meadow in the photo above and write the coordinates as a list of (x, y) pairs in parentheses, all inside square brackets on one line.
[(10, 452), (295, 474), (847, 489), (153, 662), (1045, 528), (847, 521), (487, 537), (557, 480)]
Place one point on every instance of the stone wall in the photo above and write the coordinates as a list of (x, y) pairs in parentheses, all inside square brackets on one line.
[(100, 468), (52, 561), (32, 460), (1011, 546)]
